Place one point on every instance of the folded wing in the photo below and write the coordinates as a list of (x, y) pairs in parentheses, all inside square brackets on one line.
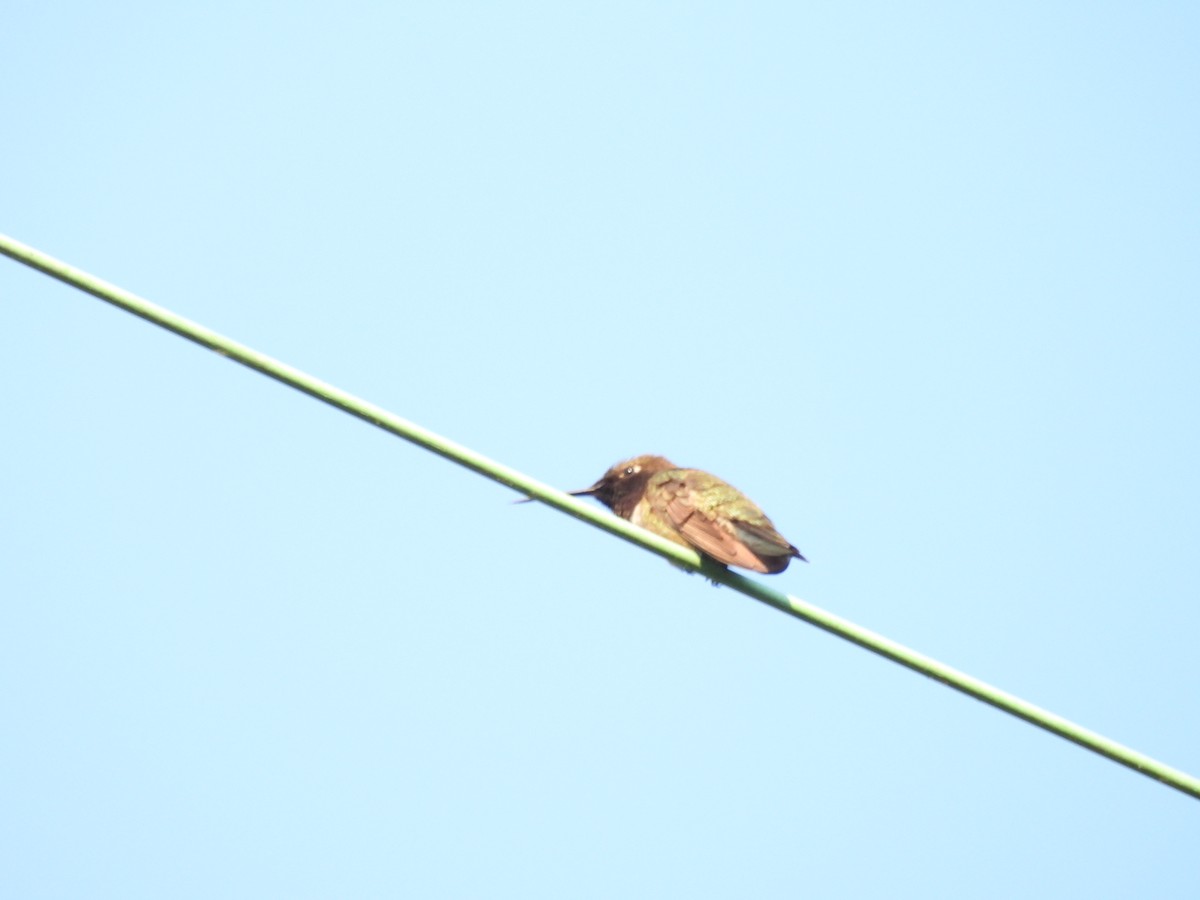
[(723, 524)]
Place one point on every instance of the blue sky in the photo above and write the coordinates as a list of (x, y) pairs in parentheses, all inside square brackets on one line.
[(921, 279)]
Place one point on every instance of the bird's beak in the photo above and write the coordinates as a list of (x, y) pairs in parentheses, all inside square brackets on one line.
[(586, 492)]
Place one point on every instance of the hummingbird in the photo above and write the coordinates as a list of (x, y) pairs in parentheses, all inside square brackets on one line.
[(696, 509)]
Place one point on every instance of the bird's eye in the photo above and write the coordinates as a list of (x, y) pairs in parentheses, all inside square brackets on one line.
[(631, 470)]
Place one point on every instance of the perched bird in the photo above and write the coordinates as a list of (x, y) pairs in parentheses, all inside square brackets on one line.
[(696, 509)]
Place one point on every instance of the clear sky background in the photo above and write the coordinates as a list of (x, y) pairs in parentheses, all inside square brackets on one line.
[(922, 279)]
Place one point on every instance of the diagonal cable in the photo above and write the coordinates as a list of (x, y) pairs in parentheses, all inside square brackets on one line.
[(688, 558)]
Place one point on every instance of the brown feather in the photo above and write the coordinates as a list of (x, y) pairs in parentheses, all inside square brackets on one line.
[(710, 536)]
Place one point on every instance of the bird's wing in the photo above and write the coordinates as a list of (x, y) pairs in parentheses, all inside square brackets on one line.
[(708, 532)]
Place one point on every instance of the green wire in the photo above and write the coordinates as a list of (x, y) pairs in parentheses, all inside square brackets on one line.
[(683, 556)]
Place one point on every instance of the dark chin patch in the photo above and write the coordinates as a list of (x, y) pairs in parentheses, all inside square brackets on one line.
[(625, 493)]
